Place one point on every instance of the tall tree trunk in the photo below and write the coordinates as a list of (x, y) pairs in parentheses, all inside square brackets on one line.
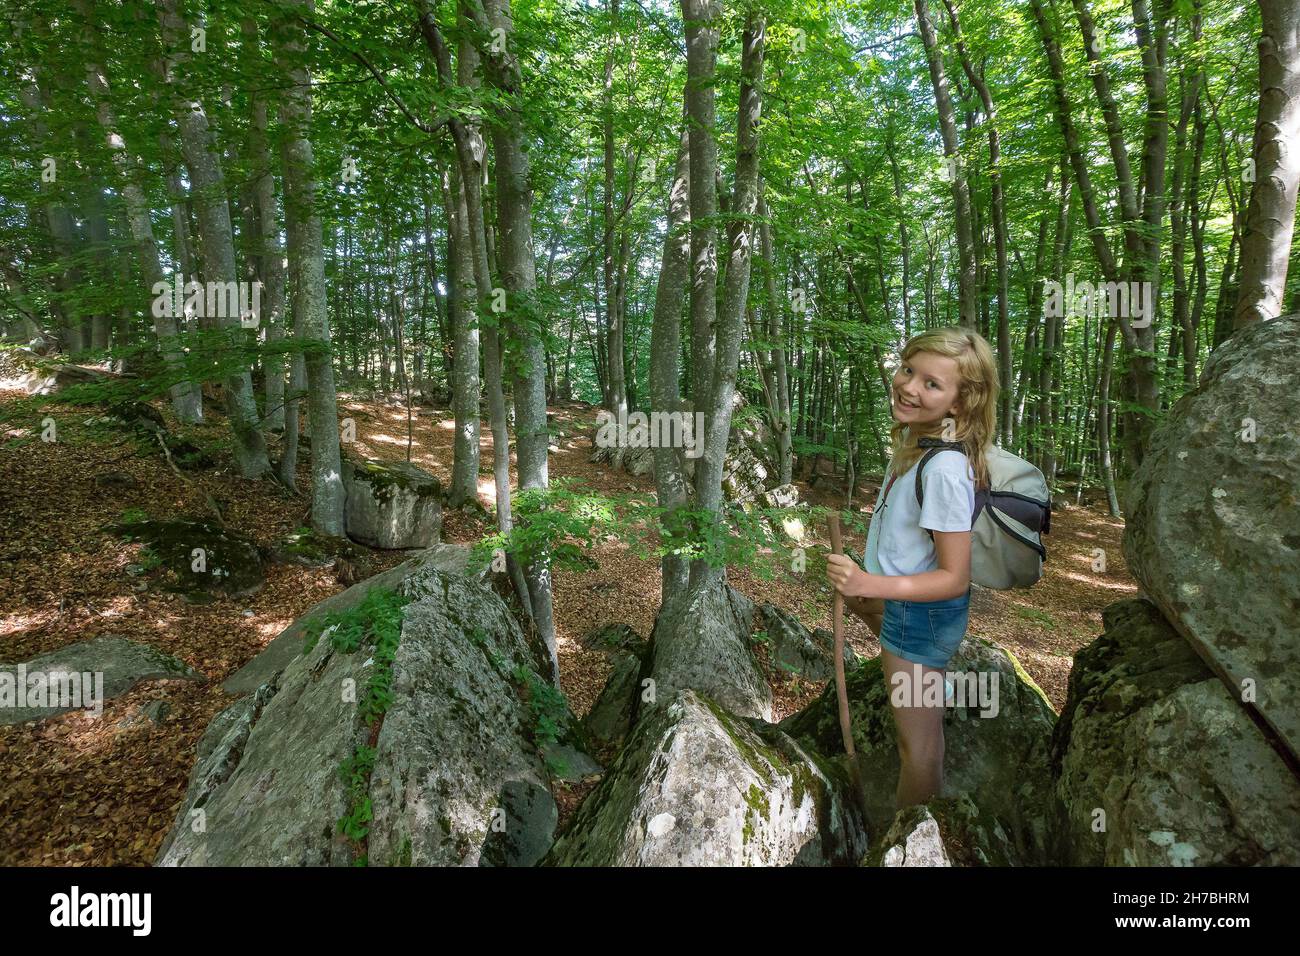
[(904, 240), (999, 225), (215, 237), (58, 219), (665, 347), (1103, 421), (1179, 211), (463, 301), (1270, 217), (775, 331), (968, 308), (470, 154), (701, 61), (616, 387), (186, 398), (270, 255), (307, 260), (730, 327), (519, 277), (1152, 34), (1190, 330)]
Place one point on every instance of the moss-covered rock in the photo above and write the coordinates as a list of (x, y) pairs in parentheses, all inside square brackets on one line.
[(950, 831), (996, 746), (312, 549), (199, 559), (696, 785), (392, 504), (457, 775), (796, 650), (1157, 765)]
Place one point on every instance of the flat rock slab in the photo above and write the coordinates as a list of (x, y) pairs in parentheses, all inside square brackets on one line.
[(1213, 530), (287, 646), (115, 665)]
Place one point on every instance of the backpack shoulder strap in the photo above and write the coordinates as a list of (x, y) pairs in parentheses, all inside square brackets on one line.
[(935, 445)]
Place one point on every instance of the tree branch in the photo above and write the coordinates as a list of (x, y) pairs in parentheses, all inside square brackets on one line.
[(327, 32)]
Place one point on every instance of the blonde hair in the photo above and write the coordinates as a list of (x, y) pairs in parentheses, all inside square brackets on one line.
[(977, 397)]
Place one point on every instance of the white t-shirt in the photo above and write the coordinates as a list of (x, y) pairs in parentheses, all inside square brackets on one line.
[(896, 540)]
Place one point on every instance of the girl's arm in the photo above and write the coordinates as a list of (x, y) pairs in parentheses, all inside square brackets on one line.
[(949, 580)]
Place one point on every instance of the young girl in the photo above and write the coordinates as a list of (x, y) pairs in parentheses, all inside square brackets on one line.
[(946, 387)]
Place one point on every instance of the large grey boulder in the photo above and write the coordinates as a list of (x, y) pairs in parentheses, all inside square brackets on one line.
[(997, 738), (1157, 765), (75, 676), (698, 786), (45, 376), (459, 776), (701, 641), (392, 504), (1213, 530)]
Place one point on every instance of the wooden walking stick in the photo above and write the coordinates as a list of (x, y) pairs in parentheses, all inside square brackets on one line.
[(841, 690)]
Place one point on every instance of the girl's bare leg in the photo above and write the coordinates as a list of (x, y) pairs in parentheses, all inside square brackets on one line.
[(920, 732)]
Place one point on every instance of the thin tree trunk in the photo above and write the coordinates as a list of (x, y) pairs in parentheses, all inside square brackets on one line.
[(773, 313)]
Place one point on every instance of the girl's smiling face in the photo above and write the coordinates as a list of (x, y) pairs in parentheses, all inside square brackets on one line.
[(925, 389)]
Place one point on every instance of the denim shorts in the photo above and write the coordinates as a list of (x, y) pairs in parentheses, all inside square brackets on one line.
[(925, 632)]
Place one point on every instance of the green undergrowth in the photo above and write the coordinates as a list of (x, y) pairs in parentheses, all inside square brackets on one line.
[(549, 712), (375, 622), (567, 522), (546, 703)]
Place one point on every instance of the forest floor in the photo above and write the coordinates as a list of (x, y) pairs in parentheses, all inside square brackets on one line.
[(80, 790)]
